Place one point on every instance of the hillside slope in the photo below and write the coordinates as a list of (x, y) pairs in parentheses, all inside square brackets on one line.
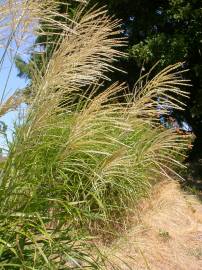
[(167, 236)]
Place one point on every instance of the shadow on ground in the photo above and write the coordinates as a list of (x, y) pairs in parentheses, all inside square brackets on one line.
[(193, 178)]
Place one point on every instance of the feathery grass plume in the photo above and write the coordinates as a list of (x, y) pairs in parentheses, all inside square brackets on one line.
[(88, 47), (11, 103), (18, 22), (21, 17)]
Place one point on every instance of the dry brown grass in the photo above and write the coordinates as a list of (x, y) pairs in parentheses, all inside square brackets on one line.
[(168, 235)]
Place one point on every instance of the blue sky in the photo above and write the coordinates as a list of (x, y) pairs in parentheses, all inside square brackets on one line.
[(13, 84)]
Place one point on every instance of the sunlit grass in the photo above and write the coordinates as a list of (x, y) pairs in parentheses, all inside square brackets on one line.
[(78, 168)]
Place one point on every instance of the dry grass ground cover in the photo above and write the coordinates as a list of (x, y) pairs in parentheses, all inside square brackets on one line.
[(168, 234)]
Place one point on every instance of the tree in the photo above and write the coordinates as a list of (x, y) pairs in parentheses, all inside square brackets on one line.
[(165, 31), (179, 37)]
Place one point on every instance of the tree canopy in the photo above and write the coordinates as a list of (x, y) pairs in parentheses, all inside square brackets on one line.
[(158, 31)]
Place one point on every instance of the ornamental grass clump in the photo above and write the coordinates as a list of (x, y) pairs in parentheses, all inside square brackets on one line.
[(81, 158)]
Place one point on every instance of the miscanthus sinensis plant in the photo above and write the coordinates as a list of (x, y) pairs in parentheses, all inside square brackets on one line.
[(80, 166)]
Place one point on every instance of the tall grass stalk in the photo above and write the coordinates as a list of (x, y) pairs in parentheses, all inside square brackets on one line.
[(76, 167)]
